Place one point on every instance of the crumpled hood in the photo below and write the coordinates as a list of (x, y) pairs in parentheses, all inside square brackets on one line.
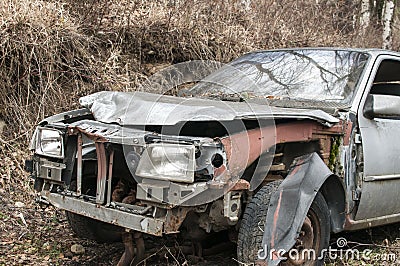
[(141, 108)]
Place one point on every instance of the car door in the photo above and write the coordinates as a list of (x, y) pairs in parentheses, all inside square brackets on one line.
[(380, 138)]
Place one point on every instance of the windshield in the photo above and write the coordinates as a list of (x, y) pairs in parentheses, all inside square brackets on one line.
[(313, 75)]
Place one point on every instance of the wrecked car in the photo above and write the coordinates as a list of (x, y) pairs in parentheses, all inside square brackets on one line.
[(302, 146)]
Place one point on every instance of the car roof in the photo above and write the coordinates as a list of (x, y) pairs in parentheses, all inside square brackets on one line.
[(371, 51)]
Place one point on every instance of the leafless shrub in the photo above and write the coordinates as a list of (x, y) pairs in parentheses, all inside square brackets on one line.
[(45, 62), (178, 30), (52, 53)]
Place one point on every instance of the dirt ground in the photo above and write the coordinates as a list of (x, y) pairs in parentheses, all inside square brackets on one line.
[(43, 237), (34, 235)]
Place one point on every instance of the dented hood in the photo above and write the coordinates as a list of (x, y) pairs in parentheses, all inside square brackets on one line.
[(141, 108)]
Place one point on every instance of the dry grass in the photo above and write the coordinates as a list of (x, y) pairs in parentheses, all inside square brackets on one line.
[(177, 30), (53, 52), (45, 62)]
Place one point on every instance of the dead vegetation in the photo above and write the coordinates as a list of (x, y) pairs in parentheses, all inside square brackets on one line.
[(45, 60), (53, 52)]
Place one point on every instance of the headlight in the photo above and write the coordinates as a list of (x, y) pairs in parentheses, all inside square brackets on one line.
[(32, 144), (49, 142), (171, 162)]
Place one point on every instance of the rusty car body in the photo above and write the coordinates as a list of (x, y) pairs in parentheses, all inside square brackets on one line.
[(329, 134)]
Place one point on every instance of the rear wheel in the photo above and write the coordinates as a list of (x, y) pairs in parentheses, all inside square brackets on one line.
[(85, 227), (315, 232)]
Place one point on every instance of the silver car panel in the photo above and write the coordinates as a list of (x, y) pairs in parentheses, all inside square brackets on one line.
[(381, 160)]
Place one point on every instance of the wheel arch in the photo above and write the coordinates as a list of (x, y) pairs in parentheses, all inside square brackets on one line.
[(335, 196), (290, 203)]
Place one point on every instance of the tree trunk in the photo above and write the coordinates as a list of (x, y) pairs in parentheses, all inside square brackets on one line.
[(387, 20), (365, 15)]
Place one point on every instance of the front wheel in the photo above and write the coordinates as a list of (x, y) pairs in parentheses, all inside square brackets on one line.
[(314, 235), (85, 227)]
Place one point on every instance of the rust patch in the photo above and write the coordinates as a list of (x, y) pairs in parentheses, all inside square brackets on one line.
[(241, 184), (119, 192), (174, 219), (294, 171), (220, 171), (325, 144), (244, 148), (347, 133), (348, 222), (275, 222), (93, 136), (292, 132)]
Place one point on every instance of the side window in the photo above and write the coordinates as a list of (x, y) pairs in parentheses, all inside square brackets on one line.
[(387, 79), (383, 100)]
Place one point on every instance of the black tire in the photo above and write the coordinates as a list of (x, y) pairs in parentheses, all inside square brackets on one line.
[(85, 227), (252, 225)]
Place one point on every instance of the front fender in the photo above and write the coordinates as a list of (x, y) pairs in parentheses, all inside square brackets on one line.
[(69, 116), (290, 203)]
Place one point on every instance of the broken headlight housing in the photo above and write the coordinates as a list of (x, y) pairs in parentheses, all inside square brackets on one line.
[(49, 142), (165, 161)]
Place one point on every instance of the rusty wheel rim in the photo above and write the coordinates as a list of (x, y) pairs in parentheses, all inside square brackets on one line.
[(309, 238)]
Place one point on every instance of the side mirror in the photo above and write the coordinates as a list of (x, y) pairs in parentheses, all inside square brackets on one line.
[(382, 106)]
